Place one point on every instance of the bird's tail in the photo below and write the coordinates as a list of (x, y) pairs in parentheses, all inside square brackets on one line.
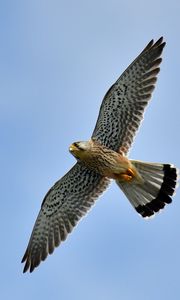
[(155, 189)]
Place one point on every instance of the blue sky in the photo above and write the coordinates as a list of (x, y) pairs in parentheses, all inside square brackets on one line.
[(57, 60)]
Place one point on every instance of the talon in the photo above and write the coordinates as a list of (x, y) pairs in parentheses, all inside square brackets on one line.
[(130, 173), (128, 176)]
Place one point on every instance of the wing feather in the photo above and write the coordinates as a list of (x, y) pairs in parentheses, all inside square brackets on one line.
[(123, 106), (63, 206)]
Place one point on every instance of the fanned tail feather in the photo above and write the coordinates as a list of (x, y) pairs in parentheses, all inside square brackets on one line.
[(150, 196)]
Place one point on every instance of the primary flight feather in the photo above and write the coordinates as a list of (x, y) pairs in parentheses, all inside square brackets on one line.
[(148, 186)]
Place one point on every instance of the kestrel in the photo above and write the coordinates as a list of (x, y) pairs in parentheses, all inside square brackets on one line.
[(148, 186)]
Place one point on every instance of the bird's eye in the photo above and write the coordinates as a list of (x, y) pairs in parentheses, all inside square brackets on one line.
[(77, 145)]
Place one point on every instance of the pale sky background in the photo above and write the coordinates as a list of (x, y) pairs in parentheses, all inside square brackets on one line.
[(57, 60)]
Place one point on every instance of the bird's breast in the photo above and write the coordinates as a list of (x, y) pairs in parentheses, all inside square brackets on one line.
[(107, 163)]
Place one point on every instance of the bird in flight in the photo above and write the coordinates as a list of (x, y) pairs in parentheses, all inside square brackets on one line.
[(148, 186)]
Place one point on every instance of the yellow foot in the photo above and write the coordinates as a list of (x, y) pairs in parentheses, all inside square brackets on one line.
[(128, 176)]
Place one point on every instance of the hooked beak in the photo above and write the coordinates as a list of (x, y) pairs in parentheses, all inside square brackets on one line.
[(73, 148)]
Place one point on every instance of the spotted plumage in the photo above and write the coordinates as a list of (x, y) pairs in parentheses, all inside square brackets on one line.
[(148, 186), (63, 206), (123, 105)]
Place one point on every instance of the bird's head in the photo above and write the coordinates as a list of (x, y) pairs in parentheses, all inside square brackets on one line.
[(80, 149)]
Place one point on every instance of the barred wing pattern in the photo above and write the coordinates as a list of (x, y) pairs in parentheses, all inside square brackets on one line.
[(123, 105), (63, 206)]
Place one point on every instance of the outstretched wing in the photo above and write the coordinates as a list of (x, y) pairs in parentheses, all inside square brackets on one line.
[(123, 105), (65, 203)]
